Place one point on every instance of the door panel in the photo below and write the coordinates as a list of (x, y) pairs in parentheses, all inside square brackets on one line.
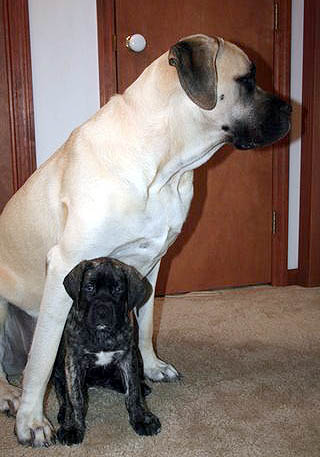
[(226, 240)]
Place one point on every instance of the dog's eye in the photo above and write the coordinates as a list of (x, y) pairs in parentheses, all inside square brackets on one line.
[(90, 287), (248, 82)]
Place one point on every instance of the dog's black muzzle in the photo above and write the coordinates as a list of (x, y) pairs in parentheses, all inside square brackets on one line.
[(102, 316), (267, 121)]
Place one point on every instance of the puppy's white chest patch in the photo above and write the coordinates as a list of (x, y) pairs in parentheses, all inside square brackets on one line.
[(104, 358)]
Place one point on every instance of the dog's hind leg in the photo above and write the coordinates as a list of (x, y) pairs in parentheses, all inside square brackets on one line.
[(9, 395)]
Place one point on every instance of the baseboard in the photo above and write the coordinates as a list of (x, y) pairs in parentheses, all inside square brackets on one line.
[(293, 277)]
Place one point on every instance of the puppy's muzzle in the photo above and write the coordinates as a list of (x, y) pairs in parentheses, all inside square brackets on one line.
[(101, 315)]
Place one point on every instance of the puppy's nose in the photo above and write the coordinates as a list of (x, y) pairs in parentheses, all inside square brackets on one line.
[(103, 314)]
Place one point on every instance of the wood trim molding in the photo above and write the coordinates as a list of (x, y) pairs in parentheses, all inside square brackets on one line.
[(282, 56), (107, 49), (293, 277), (309, 237), (18, 56)]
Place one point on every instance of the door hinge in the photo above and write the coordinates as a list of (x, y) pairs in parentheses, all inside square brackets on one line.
[(274, 222), (276, 16), (114, 43)]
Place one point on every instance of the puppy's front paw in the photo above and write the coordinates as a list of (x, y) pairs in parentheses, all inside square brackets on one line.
[(148, 424), (70, 436)]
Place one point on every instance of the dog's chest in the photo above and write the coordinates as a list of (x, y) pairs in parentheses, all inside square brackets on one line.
[(104, 358), (156, 227), (168, 209)]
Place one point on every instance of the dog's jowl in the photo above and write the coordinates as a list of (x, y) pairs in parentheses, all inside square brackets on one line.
[(98, 345)]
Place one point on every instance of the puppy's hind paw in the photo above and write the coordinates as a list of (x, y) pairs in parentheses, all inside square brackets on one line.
[(146, 425), (70, 436)]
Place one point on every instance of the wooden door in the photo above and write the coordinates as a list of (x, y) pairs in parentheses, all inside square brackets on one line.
[(226, 240)]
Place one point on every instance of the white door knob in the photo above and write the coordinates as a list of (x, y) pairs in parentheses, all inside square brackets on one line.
[(136, 42)]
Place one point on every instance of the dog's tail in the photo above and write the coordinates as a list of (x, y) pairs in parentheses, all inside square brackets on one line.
[(18, 334)]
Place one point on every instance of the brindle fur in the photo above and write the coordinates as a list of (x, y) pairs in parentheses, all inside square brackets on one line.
[(99, 322)]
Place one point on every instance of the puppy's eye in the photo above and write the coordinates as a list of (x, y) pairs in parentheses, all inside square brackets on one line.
[(90, 287)]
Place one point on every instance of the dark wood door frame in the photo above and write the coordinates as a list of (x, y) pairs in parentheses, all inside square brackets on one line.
[(309, 237), (280, 187), (15, 21), (108, 85)]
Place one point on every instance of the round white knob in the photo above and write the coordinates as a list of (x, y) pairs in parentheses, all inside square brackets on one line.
[(136, 42)]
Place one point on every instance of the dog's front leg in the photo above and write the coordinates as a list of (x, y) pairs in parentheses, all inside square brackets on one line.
[(141, 419), (154, 368), (32, 427), (73, 407)]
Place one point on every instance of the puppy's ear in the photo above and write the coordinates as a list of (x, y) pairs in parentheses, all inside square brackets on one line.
[(139, 288), (195, 60), (72, 282)]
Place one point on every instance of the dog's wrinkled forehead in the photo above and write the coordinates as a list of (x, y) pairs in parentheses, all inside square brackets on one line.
[(232, 62), (104, 270)]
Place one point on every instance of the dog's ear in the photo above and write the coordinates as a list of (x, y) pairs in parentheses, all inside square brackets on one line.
[(72, 282), (195, 60), (139, 288)]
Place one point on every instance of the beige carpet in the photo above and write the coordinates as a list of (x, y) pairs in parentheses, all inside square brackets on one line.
[(251, 364)]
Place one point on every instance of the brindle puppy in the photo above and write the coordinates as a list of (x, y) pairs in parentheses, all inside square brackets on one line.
[(98, 346)]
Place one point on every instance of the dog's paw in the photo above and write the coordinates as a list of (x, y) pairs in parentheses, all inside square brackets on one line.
[(157, 370), (147, 425), (35, 433), (70, 436), (9, 398)]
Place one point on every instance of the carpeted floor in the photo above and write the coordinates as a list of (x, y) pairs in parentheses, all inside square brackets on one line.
[(251, 364)]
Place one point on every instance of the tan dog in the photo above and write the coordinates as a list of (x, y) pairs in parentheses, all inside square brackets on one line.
[(121, 186)]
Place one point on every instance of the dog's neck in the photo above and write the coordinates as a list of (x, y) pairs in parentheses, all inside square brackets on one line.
[(172, 123), (172, 135)]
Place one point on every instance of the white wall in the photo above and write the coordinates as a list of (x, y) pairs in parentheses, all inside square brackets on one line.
[(65, 74), (295, 145)]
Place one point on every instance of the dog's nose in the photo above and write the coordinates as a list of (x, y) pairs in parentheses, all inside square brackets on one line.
[(286, 108), (102, 314)]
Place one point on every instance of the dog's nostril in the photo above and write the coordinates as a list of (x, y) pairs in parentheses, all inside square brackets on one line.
[(101, 313), (286, 108)]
